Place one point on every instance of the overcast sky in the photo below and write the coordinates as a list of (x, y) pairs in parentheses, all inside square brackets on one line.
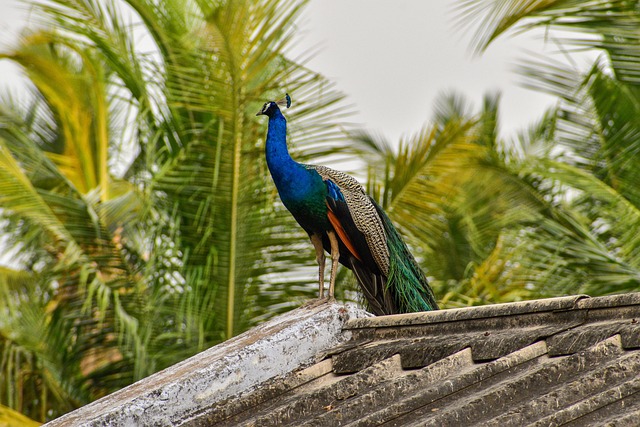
[(392, 58)]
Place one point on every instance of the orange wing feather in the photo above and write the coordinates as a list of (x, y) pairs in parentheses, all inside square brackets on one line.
[(335, 222)]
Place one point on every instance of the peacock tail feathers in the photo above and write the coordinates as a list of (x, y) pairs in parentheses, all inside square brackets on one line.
[(406, 280)]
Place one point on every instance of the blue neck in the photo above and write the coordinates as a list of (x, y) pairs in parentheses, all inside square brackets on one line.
[(287, 174), (278, 158)]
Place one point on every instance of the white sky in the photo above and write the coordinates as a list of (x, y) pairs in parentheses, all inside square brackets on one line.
[(392, 59)]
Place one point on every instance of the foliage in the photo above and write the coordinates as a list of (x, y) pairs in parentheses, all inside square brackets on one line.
[(591, 168), (11, 418)]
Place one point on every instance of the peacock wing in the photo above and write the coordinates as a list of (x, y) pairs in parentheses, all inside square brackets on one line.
[(358, 216), (355, 219)]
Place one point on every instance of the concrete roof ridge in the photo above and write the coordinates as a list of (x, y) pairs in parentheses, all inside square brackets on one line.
[(236, 366), (608, 301), (469, 313), (495, 311)]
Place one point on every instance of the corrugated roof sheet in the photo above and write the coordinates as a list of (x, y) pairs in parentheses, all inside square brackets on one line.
[(561, 361)]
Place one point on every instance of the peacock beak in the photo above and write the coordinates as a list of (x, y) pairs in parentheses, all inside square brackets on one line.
[(263, 110)]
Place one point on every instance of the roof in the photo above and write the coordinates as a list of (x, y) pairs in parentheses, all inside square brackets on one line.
[(571, 360), (182, 392)]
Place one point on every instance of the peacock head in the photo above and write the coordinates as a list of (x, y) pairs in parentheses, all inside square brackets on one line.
[(269, 108)]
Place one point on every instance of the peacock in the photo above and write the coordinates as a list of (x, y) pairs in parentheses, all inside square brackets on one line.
[(333, 208)]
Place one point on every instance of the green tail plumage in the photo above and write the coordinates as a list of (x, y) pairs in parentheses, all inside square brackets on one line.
[(406, 281)]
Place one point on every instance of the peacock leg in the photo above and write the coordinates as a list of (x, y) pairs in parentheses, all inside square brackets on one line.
[(335, 256), (320, 257)]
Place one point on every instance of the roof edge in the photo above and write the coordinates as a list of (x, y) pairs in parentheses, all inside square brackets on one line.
[(468, 313), (171, 396)]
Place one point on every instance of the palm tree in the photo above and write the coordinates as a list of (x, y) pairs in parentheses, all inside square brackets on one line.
[(134, 194), (593, 167)]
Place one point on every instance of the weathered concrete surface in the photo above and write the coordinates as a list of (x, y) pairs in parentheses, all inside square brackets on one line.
[(173, 396), (570, 361), (494, 311)]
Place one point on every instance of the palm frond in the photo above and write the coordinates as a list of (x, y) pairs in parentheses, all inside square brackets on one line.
[(11, 418)]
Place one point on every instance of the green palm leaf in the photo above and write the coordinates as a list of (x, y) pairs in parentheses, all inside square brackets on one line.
[(590, 169)]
